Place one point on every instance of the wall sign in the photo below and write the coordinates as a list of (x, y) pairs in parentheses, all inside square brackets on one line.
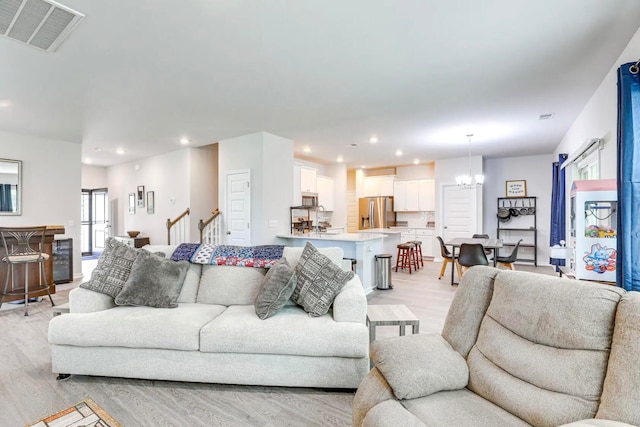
[(140, 196), (516, 188), (132, 203), (151, 202)]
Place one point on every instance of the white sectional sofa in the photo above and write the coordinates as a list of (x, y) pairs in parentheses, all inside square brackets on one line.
[(215, 335)]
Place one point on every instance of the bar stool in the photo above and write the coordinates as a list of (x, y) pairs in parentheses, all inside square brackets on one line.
[(418, 252), (406, 256), (18, 249)]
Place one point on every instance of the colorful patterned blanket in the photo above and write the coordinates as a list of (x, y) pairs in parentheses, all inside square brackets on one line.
[(263, 256)]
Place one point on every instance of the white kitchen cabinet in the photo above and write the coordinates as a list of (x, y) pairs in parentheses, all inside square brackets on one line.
[(400, 196), (378, 186), (427, 195), (425, 235), (326, 193), (414, 195), (308, 180), (304, 180), (408, 235)]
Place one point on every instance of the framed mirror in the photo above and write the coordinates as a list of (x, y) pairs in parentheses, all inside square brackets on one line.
[(10, 187)]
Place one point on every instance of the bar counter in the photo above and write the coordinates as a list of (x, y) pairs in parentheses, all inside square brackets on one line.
[(34, 277)]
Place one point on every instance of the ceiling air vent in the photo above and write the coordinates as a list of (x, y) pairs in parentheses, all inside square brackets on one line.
[(38, 23)]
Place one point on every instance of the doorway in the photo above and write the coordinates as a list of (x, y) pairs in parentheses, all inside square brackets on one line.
[(239, 208), (459, 212), (95, 225)]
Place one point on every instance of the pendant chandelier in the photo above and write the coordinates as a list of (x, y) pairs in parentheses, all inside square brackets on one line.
[(466, 181)]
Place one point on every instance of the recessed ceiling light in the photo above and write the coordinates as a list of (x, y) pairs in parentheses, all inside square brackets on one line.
[(416, 161), (339, 159), (352, 145), (398, 152), (97, 149), (546, 116), (373, 139), (307, 149), (87, 161), (5, 103), (120, 151), (184, 140)]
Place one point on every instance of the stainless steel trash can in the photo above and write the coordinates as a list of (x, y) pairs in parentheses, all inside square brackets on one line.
[(383, 271)]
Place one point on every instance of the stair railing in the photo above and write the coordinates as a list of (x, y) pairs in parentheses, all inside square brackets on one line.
[(211, 229), (178, 228)]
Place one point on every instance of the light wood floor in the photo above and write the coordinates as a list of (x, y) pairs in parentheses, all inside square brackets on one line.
[(29, 391)]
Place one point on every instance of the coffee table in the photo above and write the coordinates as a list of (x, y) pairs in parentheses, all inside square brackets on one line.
[(390, 315)]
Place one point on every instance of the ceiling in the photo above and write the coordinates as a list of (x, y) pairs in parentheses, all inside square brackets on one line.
[(418, 74)]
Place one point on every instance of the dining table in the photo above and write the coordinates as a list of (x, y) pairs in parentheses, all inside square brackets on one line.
[(493, 244)]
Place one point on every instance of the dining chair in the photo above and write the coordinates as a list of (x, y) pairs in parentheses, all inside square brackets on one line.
[(483, 236), (447, 258), (508, 260), (471, 254)]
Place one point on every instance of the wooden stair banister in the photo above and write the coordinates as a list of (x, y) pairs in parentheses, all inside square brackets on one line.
[(170, 223), (210, 229)]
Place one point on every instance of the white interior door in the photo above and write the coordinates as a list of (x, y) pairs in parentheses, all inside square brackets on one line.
[(239, 208), (459, 212)]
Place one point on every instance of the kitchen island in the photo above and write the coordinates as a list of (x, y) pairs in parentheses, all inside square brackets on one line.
[(391, 238), (360, 246), (34, 268)]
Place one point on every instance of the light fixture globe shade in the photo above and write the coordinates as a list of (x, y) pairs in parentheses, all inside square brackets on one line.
[(479, 179), (463, 180)]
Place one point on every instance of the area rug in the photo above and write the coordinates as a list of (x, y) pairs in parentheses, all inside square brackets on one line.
[(86, 413)]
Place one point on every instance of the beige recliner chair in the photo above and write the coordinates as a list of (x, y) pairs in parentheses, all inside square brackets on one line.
[(517, 349)]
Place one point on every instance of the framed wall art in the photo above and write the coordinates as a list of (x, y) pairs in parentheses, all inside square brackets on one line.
[(140, 196), (516, 188), (132, 203), (151, 202)]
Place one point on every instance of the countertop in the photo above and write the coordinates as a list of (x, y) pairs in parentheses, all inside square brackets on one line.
[(382, 230), (344, 237)]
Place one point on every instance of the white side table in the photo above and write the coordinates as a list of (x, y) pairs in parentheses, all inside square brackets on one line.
[(390, 315)]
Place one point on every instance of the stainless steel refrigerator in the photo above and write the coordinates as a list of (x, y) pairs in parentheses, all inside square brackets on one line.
[(376, 212)]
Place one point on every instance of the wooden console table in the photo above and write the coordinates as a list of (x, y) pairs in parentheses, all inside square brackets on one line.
[(34, 275), (134, 242)]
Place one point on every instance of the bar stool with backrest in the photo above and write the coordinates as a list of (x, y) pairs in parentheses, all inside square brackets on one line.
[(24, 246), (470, 255), (418, 253), (508, 261), (406, 258), (447, 257)]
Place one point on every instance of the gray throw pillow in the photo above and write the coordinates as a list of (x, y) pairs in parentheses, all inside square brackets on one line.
[(277, 287), (154, 282), (319, 280), (113, 268)]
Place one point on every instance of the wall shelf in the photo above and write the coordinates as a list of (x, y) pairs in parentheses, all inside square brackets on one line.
[(523, 227)]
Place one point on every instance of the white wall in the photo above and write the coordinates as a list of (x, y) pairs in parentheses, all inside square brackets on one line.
[(94, 177), (203, 185), (339, 174), (270, 160), (50, 185), (537, 171), (599, 117), (277, 188), (170, 177), (425, 171)]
